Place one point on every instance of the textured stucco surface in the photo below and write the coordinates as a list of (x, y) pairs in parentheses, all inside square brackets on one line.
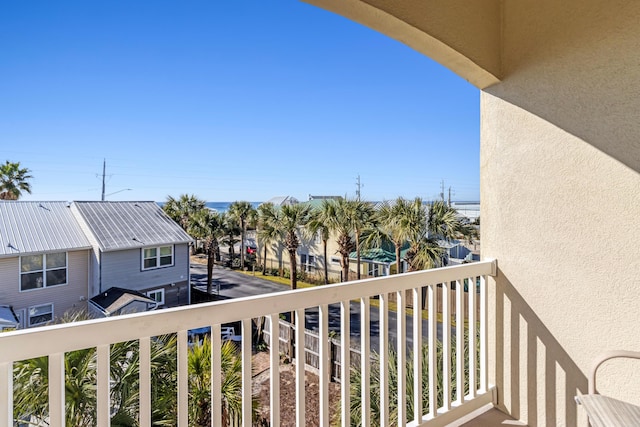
[(560, 182), (560, 193), (562, 219)]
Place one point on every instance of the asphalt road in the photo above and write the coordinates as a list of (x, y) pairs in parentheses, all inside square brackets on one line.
[(232, 284)]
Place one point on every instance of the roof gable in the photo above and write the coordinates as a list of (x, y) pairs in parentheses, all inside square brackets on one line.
[(38, 227), (128, 225)]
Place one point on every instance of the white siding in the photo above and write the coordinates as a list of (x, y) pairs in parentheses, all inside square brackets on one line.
[(123, 269), (94, 269), (73, 295)]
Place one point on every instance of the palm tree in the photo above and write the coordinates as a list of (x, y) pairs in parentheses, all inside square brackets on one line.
[(319, 224), (243, 212), (230, 232), (338, 214), (267, 232), (362, 218), (392, 227), (31, 379), (288, 224), (30, 388), (424, 251), (182, 209), (442, 221), (199, 366), (392, 360), (13, 181), (208, 225)]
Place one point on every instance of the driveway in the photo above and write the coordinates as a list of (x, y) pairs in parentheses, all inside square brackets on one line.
[(231, 284)]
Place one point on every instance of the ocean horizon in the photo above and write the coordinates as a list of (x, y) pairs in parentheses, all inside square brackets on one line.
[(222, 207)]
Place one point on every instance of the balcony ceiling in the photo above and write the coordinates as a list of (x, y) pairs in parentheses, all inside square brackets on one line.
[(463, 36)]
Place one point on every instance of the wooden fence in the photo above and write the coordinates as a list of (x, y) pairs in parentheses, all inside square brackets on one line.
[(286, 332)]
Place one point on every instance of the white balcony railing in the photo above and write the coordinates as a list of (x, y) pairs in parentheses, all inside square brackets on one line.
[(54, 341)]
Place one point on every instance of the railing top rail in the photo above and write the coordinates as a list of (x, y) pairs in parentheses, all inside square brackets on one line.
[(29, 343)]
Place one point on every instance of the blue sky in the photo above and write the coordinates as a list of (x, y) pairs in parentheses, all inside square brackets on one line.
[(235, 100)]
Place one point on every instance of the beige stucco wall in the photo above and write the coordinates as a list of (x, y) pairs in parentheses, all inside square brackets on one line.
[(277, 254), (560, 200), (562, 219), (560, 185)]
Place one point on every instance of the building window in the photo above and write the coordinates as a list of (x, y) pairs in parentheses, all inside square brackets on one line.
[(335, 260), (374, 270), (157, 295), (157, 257), (42, 271), (308, 263), (40, 314)]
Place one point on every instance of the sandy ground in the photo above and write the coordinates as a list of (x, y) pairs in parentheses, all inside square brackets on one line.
[(287, 392), (261, 387)]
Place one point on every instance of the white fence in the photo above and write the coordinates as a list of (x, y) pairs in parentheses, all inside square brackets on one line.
[(55, 341)]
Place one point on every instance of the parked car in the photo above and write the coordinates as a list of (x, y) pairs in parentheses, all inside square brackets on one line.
[(250, 247)]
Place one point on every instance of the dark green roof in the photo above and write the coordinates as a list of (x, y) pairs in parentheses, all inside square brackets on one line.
[(375, 255)]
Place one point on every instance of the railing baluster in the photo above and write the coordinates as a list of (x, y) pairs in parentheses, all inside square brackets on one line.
[(484, 386), (365, 362), (384, 359), (144, 375), (300, 371), (246, 373), (323, 312), (66, 338), (216, 375), (274, 365), (102, 393), (417, 354), (6, 403), (183, 379), (56, 390), (401, 321), (472, 337), (345, 361), (446, 346), (460, 341), (433, 352)]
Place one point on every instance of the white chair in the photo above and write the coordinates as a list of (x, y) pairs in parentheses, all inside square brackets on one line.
[(606, 411)]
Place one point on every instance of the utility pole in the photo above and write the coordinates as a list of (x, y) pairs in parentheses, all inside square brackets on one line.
[(442, 190), (104, 169), (449, 204), (358, 187)]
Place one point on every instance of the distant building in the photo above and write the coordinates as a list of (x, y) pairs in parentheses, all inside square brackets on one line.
[(283, 201)]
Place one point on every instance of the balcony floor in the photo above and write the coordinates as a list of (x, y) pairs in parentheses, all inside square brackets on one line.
[(492, 418)]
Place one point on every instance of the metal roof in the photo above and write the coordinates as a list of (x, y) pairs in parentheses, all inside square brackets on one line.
[(126, 225), (7, 318), (37, 227)]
